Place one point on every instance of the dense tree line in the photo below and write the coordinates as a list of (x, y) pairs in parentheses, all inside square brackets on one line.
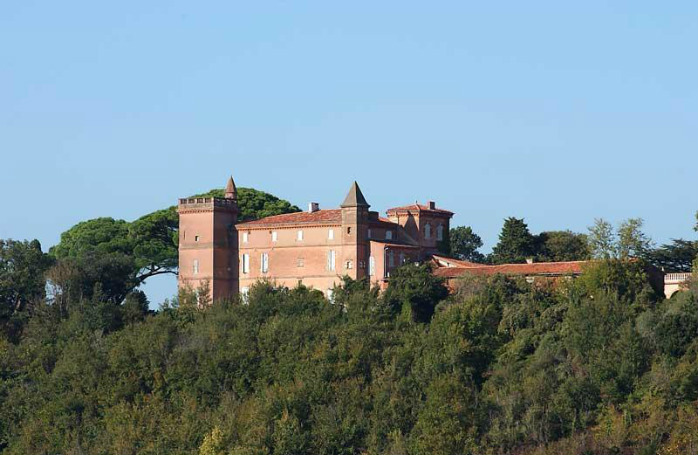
[(600, 364), (517, 245)]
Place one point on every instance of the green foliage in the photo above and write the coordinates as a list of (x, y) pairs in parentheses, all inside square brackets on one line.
[(677, 256), (555, 246), (22, 282), (627, 241), (415, 290), (516, 243), (596, 365), (464, 244)]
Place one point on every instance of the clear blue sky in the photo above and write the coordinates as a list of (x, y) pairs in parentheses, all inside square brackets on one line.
[(558, 112)]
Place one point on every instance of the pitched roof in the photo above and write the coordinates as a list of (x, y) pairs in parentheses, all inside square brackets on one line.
[(355, 198), (331, 217), (231, 189), (419, 208), (539, 268), (452, 262)]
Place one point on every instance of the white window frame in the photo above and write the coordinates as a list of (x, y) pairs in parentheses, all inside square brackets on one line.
[(274, 236), (371, 266), (264, 262), (245, 295), (299, 235), (330, 234), (195, 267), (245, 262), (245, 237), (331, 260)]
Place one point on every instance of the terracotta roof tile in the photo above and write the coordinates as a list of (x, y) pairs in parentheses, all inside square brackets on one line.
[(540, 268), (418, 208), (331, 216), (456, 262)]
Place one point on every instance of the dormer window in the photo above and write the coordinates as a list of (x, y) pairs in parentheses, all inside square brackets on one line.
[(427, 231)]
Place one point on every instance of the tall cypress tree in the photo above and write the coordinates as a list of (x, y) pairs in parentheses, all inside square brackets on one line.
[(515, 243)]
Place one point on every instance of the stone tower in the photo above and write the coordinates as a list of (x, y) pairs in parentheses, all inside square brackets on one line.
[(355, 245), (208, 243)]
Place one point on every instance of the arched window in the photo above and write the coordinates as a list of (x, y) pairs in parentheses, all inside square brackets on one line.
[(440, 232), (427, 231)]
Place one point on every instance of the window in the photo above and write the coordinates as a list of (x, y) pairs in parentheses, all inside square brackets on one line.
[(274, 236), (388, 235), (349, 264), (371, 266), (245, 263), (369, 234), (330, 234), (330, 295), (349, 230), (440, 232), (245, 294), (331, 260), (299, 235), (402, 258), (195, 267), (427, 231), (245, 237), (265, 262), (391, 259), (300, 262), (196, 238)]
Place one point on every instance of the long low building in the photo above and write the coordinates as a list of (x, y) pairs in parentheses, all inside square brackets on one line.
[(453, 269)]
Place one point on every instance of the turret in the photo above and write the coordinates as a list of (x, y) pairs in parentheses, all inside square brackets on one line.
[(355, 245), (231, 191)]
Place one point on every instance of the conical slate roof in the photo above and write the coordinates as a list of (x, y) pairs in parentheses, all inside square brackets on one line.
[(231, 191), (355, 198)]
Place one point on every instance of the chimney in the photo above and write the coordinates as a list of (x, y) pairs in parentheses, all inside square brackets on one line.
[(313, 207), (432, 205), (529, 260)]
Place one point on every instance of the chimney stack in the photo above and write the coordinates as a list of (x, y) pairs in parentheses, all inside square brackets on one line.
[(432, 205), (313, 207)]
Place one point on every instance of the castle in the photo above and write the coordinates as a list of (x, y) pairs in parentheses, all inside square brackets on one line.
[(316, 247)]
